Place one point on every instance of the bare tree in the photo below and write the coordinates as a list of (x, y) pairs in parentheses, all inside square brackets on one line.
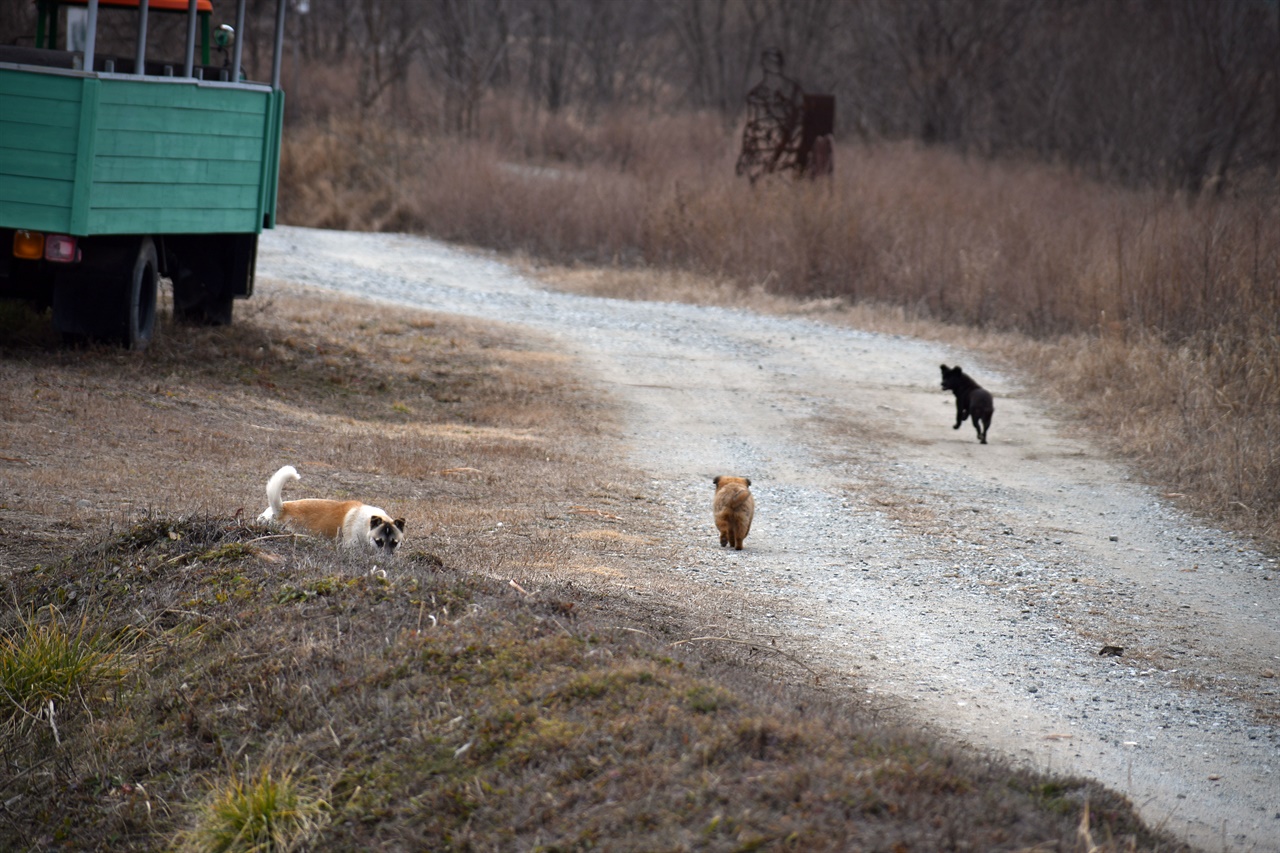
[(466, 41), (387, 36), (952, 56), (1177, 93), (713, 43), (1231, 64), (556, 60)]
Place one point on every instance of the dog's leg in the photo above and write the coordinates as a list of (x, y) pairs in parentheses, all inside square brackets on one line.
[(962, 412)]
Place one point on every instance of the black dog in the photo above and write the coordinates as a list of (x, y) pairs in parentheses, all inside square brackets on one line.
[(971, 400)]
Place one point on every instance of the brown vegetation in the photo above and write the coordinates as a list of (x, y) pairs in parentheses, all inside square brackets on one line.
[(1182, 95), (1152, 317), (232, 686)]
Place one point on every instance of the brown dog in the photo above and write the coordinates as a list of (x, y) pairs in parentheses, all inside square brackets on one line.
[(734, 508)]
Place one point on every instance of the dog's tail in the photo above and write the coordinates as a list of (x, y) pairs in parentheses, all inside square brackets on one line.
[(739, 497), (274, 485)]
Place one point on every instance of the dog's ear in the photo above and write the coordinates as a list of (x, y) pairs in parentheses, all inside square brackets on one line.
[(716, 481), (376, 521), (399, 523), (748, 479)]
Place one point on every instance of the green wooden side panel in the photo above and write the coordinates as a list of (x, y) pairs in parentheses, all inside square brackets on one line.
[(31, 138), (177, 157), (106, 154), (177, 221), (43, 160), (170, 93), (271, 162), (39, 217), (87, 139), (46, 87), (127, 118), (158, 147), (31, 112), (128, 197), (39, 192), (39, 135), (111, 169)]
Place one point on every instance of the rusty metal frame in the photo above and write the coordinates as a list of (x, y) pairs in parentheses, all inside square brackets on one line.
[(785, 127)]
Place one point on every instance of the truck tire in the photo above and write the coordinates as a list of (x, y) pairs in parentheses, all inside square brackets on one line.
[(209, 271), (112, 297), (140, 290)]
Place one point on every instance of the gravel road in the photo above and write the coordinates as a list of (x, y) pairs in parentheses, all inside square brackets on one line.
[(969, 586)]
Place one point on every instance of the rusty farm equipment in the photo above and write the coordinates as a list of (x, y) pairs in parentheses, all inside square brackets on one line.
[(787, 129)]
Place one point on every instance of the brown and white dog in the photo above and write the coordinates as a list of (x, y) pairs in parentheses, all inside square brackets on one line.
[(351, 523), (734, 508)]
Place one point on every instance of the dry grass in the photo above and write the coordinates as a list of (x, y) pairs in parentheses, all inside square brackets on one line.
[(277, 687), (1152, 317), (270, 811), (1198, 419), (359, 399), (49, 670)]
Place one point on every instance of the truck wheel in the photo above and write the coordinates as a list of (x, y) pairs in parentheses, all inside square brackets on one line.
[(140, 291), (111, 298), (208, 272)]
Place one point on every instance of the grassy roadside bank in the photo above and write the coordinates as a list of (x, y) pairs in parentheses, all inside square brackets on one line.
[(211, 673)]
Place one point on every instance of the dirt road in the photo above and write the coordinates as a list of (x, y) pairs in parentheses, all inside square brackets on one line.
[(971, 587)]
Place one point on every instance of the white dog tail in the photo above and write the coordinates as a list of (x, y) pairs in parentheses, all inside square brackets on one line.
[(274, 485)]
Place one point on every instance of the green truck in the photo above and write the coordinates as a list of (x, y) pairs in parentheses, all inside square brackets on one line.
[(117, 171)]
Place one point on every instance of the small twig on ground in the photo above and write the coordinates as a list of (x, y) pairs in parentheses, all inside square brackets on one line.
[(586, 510), (274, 536), (755, 646), (632, 630)]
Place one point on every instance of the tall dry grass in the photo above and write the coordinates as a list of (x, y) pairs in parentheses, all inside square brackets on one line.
[(1154, 316)]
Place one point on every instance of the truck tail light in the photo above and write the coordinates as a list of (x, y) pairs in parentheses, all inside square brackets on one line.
[(28, 245), (61, 249)]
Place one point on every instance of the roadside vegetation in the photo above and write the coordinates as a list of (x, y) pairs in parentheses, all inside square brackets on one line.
[(1149, 317), (176, 676), (1087, 191)]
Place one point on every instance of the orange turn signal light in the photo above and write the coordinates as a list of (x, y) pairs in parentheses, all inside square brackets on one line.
[(28, 245)]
